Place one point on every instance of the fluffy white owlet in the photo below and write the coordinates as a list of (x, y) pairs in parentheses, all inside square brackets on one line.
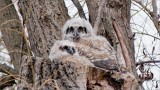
[(65, 50), (96, 48)]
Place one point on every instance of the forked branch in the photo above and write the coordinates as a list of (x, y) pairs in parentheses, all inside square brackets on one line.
[(153, 14)]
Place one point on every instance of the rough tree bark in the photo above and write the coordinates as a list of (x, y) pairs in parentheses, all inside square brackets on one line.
[(70, 75), (43, 19), (12, 34)]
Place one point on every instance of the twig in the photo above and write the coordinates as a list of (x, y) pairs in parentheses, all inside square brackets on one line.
[(57, 87), (6, 69), (8, 5), (140, 3), (26, 40), (80, 9), (98, 19), (11, 20), (143, 62), (153, 13), (123, 46), (147, 34), (141, 8)]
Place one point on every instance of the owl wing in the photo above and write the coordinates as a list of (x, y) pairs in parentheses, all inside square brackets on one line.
[(98, 51), (98, 58), (91, 53), (109, 64), (98, 43), (102, 44)]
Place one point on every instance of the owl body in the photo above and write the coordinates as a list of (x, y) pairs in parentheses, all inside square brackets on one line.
[(100, 58), (91, 53), (65, 50), (80, 31), (95, 48), (62, 48)]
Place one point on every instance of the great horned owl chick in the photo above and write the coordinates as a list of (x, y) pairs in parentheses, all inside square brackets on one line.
[(76, 28), (95, 48), (65, 50), (80, 31)]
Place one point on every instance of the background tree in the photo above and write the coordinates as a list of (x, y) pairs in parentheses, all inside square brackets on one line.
[(12, 31), (43, 20)]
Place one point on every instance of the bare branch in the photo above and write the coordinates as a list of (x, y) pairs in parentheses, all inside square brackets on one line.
[(153, 13), (7, 69), (143, 6), (147, 34), (143, 62), (123, 46), (8, 5), (80, 9)]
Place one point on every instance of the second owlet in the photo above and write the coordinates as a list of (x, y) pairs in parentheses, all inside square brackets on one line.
[(96, 48), (65, 50)]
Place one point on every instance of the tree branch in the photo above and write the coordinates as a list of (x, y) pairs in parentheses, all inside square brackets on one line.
[(123, 46), (6, 69), (80, 9), (140, 3), (143, 62), (153, 13), (147, 35)]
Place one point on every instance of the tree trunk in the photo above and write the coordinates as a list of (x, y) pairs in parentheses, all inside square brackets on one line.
[(12, 33), (70, 75), (43, 19), (13, 37)]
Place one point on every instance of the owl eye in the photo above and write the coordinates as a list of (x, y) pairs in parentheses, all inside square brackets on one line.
[(61, 48), (73, 50), (65, 47), (82, 29), (70, 30)]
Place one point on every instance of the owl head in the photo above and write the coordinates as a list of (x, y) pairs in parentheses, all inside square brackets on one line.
[(77, 28), (63, 48)]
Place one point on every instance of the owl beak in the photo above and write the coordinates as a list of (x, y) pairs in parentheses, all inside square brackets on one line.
[(71, 50), (76, 36)]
